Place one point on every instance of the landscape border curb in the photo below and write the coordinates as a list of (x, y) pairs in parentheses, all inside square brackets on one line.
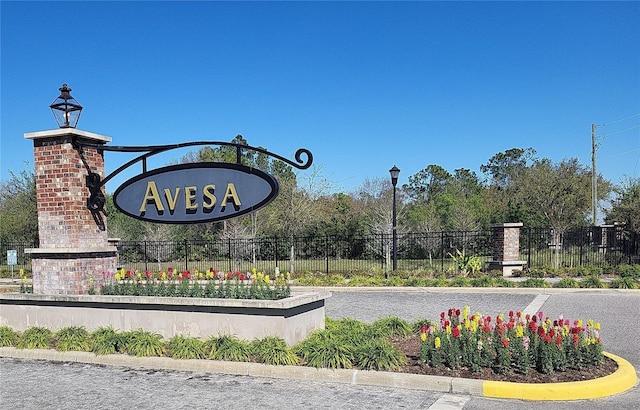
[(621, 380)]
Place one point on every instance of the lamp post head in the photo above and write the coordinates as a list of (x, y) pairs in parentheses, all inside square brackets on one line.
[(66, 110), (395, 172)]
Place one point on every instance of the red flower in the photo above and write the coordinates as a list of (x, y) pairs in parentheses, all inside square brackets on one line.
[(128, 274), (547, 338), (533, 327), (558, 340), (442, 315), (457, 312), (241, 276), (455, 332), (511, 313), (505, 342), (575, 339), (552, 332), (423, 329), (541, 332)]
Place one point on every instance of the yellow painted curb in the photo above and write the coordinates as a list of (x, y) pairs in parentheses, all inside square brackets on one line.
[(621, 380)]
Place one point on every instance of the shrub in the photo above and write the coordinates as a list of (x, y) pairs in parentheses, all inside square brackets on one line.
[(8, 336), (72, 338), (228, 348), (484, 281), (143, 343), (460, 282), (534, 283), (626, 282), (375, 354), (273, 350), (567, 283), (182, 347), (629, 271), (591, 282), (105, 340), (36, 338), (323, 349), (391, 326)]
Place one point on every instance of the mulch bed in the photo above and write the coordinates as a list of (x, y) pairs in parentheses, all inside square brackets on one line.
[(411, 348)]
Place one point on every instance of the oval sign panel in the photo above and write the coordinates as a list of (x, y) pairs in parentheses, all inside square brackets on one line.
[(193, 193)]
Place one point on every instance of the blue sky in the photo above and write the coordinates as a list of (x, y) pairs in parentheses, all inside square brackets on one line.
[(363, 85)]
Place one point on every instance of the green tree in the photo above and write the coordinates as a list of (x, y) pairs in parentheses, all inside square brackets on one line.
[(18, 208), (625, 207), (560, 191)]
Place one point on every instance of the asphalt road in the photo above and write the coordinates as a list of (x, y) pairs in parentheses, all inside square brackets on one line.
[(31, 384)]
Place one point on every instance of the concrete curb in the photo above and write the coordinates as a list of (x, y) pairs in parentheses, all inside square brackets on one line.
[(623, 379)]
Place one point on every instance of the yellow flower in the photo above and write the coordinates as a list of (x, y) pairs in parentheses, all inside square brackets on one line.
[(448, 330), (423, 336), (267, 278), (437, 343), (164, 276), (519, 331), (465, 311), (597, 326)]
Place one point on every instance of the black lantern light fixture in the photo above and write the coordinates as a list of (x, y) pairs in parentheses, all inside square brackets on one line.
[(66, 110), (395, 172)]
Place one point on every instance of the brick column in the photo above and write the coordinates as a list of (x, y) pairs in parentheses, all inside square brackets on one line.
[(73, 240), (506, 248)]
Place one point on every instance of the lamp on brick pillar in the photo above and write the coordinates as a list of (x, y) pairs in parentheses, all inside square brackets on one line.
[(66, 110)]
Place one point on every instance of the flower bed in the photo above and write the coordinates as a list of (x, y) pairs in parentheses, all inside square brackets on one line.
[(518, 343), (210, 284)]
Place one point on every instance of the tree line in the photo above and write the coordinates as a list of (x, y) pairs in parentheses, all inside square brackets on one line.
[(514, 186)]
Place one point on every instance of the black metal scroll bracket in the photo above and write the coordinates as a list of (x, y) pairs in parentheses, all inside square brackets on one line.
[(96, 200)]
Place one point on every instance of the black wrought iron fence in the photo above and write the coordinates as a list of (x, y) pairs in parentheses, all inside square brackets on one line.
[(586, 246), (589, 246), (327, 254)]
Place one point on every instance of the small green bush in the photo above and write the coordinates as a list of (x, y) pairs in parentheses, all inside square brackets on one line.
[(182, 347), (142, 343), (8, 336), (592, 281), (376, 354), (106, 340), (391, 326), (273, 350), (626, 282), (629, 271), (484, 281), (323, 349), (228, 348), (460, 282), (534, 283), (72, 338), (36, 338), (567, 283)]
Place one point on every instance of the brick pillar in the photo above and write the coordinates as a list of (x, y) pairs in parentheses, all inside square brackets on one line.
[(73, 240), (506, 248)]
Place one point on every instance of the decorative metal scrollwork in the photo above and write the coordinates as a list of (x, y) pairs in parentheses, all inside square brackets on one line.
[(96, 200)]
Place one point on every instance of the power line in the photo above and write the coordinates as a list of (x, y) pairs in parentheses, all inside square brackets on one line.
[(620, 120), (618, 132)]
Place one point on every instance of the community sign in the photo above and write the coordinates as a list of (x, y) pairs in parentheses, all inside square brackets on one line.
[(198, 192)]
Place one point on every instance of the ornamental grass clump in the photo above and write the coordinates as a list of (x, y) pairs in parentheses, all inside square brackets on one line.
[(182, 347), (518, 343), (142, 343), (8, 336), (106, 340), (36, 338), (72, 338), (226, 347), (273, 350)]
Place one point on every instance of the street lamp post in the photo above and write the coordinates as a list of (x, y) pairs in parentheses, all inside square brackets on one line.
[(395, 172)]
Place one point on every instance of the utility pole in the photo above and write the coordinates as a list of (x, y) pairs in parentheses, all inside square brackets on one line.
[(594, 177)]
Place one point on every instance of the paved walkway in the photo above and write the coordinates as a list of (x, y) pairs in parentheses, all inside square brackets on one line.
[(30, 384)]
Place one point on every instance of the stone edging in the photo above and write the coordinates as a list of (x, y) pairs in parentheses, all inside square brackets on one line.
[(623, 379)]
